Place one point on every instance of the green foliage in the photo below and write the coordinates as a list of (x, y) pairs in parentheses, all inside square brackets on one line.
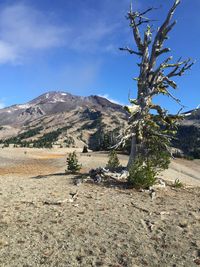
[(30, 133), (113, 162), (177, 184), (69, 141), (103, 139), (18, 140), (72, 163), (153, 153), (188, 140), (6, 145), (156, 151), (44, 141), (85, 149), (92, 115), (141, 175), (47, 139)]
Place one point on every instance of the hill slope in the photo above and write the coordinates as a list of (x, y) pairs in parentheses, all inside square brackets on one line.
[(67, 120), (60, 117)]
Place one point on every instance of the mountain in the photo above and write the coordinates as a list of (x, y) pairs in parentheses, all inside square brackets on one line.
[(60, 117), (192, 117), (188, 134), (52, 103), (67, 120)]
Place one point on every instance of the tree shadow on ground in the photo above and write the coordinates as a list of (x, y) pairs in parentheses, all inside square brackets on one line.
[(44, 176), (112, 183), (108, 182)]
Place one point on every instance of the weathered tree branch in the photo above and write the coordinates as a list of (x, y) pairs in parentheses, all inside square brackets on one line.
[(161, 35), (130, 51), (154, 78)]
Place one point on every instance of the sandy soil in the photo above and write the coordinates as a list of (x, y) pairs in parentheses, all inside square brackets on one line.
[(41, 224)]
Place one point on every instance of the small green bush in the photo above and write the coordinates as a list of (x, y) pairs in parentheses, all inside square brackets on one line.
[(85, 149), (177, 184), (141, 175), (72, 163), (113, 162)]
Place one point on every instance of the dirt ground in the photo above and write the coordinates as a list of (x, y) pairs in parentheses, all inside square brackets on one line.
[(45, 220)]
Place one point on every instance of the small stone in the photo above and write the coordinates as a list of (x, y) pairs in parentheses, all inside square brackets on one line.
[(97, 179), (197, 261), (183, 224), (77, 182)]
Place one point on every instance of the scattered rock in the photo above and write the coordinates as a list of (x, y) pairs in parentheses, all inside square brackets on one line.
[(78, 181), (197, 261), (183, 224), (159, 184), (97, 179)]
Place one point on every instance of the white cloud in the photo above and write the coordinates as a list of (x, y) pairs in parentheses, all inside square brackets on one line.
[(93, 37), (24, 29), (111, 99)]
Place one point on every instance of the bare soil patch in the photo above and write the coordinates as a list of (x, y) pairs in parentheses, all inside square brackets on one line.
[(41, 224)]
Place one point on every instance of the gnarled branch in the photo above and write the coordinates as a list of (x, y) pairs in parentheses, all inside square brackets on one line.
[(130, 51)]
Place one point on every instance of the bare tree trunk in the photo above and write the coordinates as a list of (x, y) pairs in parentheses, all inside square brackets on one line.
[(133, 153), (155, 78)]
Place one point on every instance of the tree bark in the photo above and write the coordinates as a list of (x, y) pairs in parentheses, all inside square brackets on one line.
[(133, 153), (152, 80)]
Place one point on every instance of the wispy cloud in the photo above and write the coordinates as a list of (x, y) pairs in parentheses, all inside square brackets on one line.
[(24, 29), (93, 38), (111, 99)]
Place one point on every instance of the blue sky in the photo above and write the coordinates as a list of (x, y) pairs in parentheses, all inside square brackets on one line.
[(72, 45)]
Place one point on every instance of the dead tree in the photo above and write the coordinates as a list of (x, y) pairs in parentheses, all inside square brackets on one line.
[(153, 79)]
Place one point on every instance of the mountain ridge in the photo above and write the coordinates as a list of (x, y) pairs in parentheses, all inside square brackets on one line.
[(54, 110), (60, 118)]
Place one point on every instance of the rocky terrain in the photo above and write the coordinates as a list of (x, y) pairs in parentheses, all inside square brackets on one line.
[(65, 120), (46, 220), (188, 135), (76, 118)]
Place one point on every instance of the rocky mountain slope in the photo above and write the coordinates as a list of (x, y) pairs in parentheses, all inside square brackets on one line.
[(188, 134), (62, 118)]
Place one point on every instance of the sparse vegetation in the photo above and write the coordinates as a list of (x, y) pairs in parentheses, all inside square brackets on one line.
[(177, 184), (69, 141), (85, 149), (47, 139), (72, 163), (141, 175), (19, 140), (113, 162), (104, 139), (188, 140)]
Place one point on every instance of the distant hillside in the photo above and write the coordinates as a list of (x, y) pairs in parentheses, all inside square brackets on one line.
[(60, 118), (63, 119), (188, 135)]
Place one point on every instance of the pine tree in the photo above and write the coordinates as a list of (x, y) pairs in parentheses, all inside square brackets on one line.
[(113, 162), (72, 163), (85, 149)]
